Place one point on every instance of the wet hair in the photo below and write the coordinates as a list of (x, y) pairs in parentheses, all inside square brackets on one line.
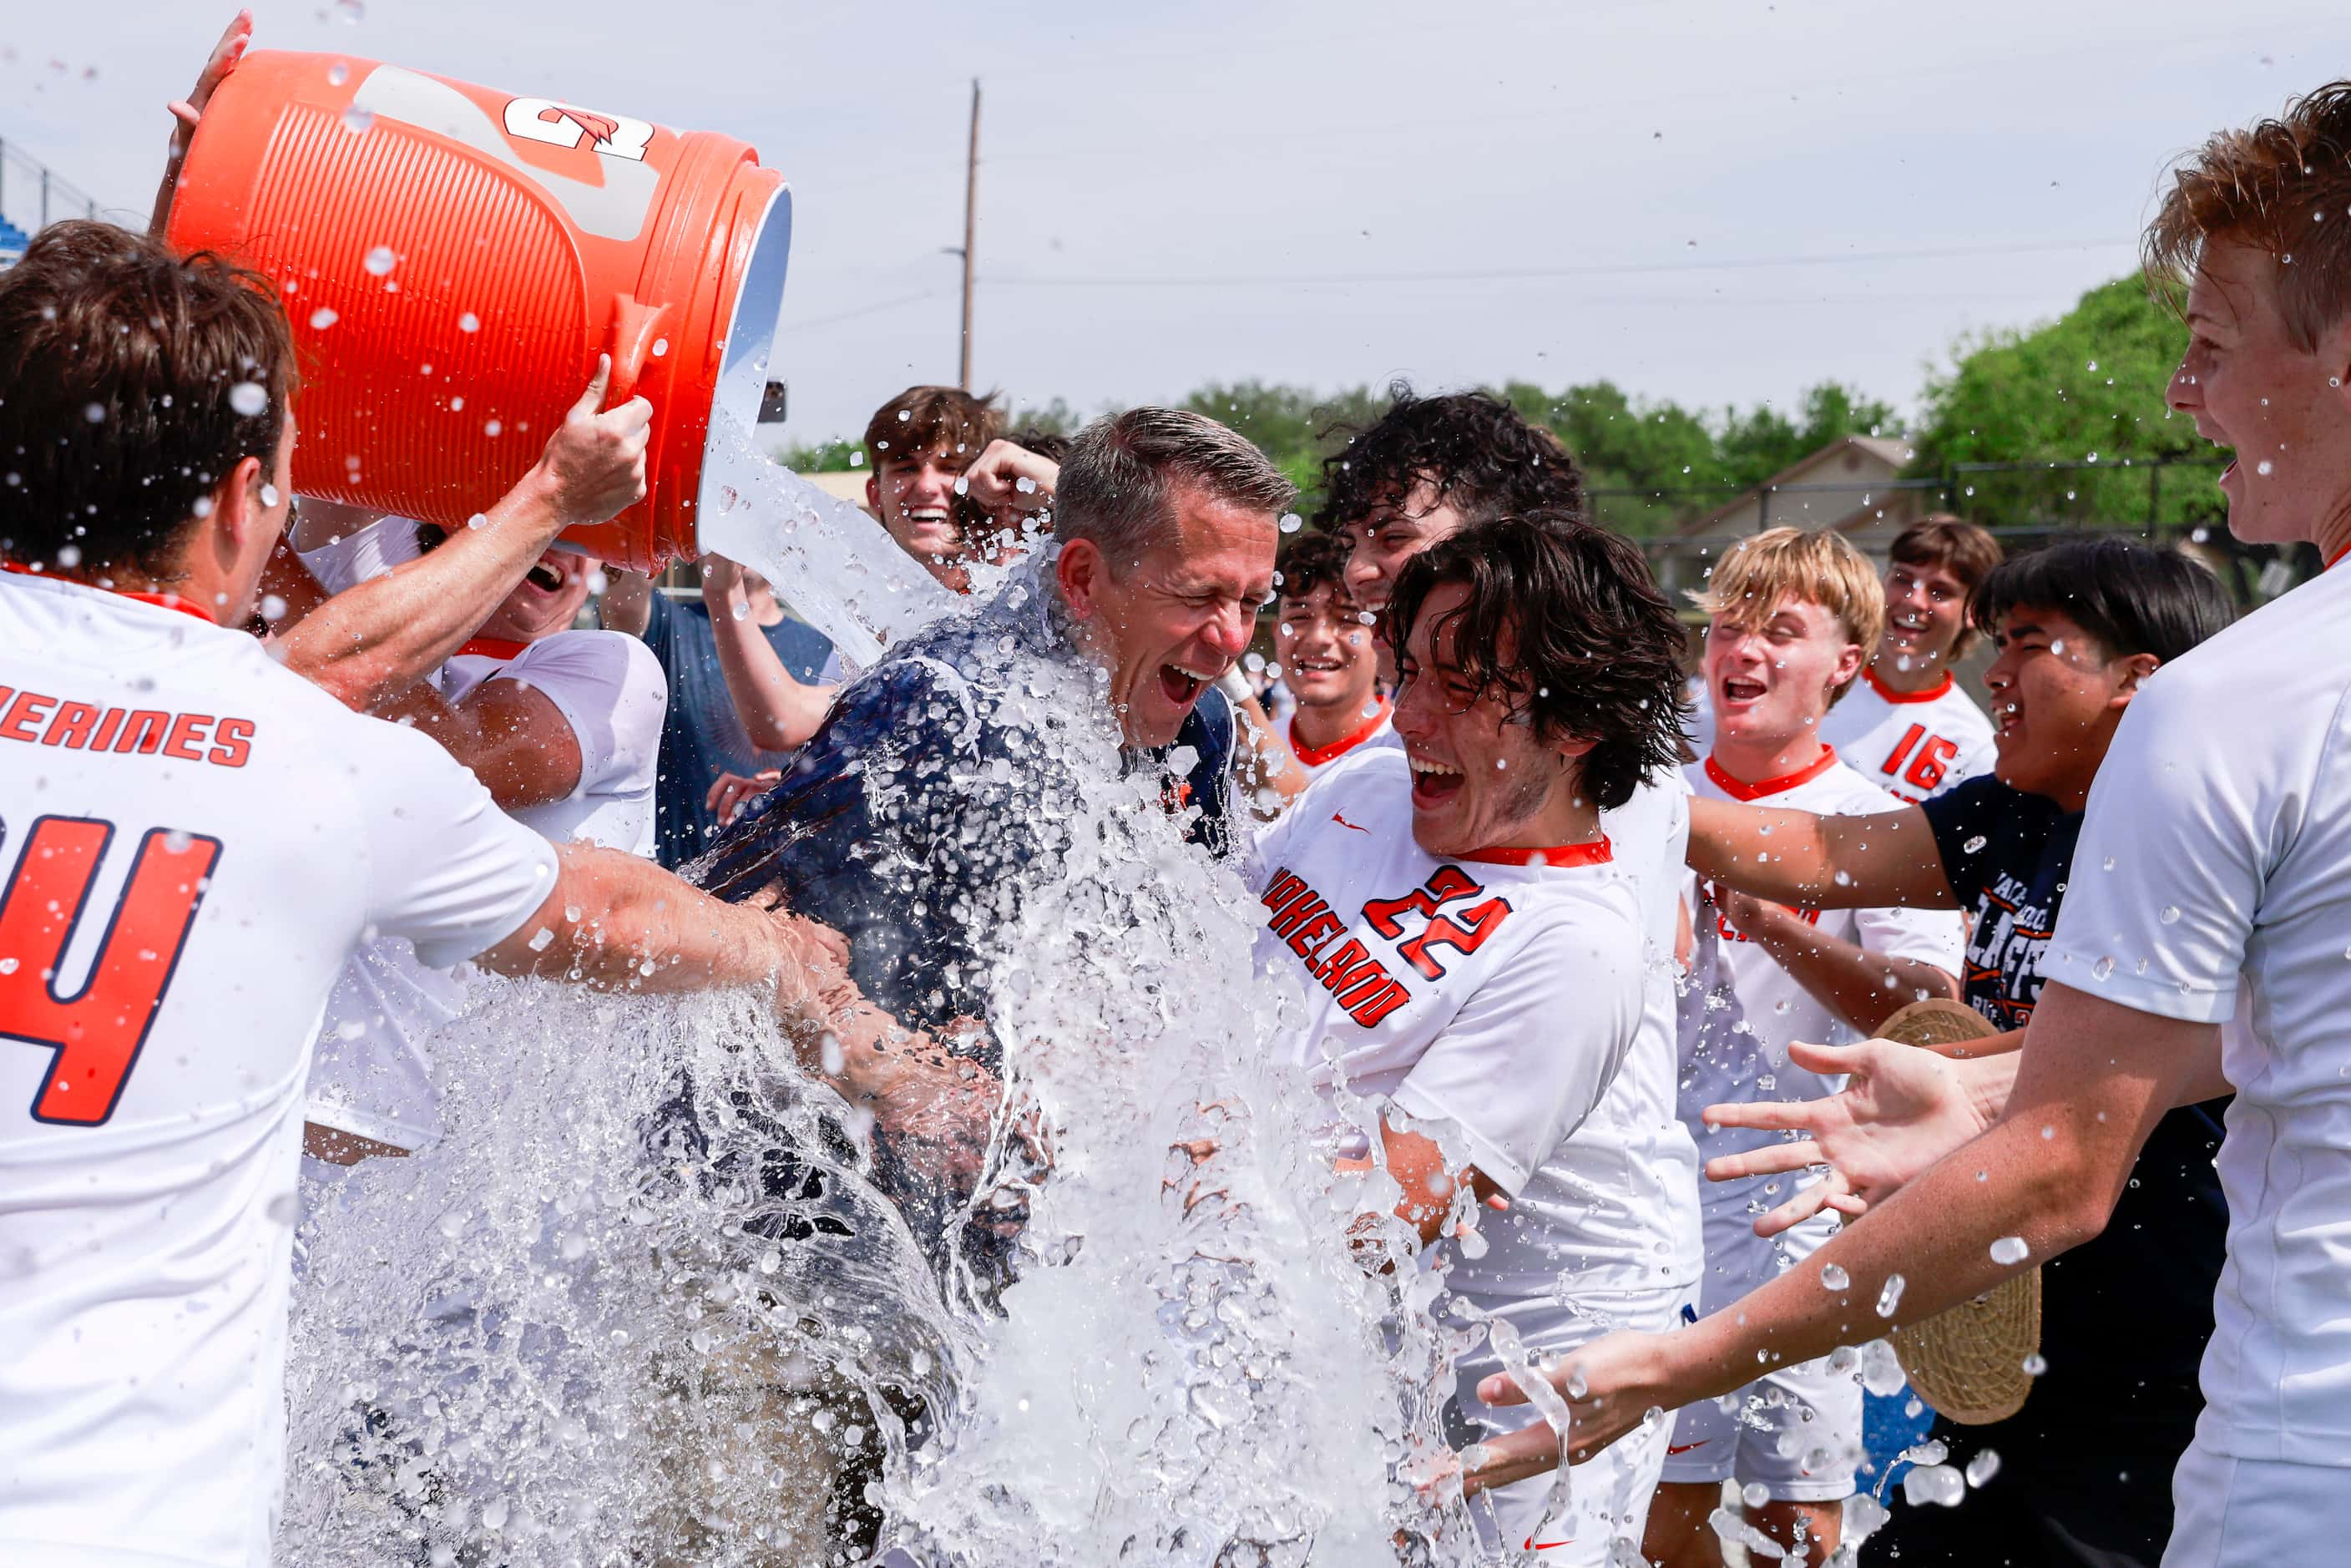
[(2133, 599), (1118, 486), (1763, 571), (1960, 548), (1564, 624), (932, 419), (1313, 562), (1050, 445), (120, 407), (1476, 452), (2283, 187)]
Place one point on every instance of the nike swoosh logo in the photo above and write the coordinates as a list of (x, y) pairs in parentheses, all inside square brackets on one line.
[(1345, 823), (1534, 1545), (1685, 1448)]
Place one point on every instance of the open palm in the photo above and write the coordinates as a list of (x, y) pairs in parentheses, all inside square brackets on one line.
[(1901, 1110)]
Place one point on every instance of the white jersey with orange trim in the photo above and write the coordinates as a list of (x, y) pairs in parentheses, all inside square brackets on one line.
[(1741, 1008), (197, 841), (1498, 991), (1378, 720), (372, 1075), (1913, 744)]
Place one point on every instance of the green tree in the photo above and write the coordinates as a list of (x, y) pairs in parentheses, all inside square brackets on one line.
[(2085, 390)]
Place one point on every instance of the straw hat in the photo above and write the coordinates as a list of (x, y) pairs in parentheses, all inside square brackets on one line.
[(1968, 1362)]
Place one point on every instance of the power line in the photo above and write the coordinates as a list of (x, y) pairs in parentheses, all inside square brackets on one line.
[(1501, 274), (878, 305)]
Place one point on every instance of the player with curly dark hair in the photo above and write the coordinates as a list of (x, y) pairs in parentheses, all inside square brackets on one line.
[(1431, 465)]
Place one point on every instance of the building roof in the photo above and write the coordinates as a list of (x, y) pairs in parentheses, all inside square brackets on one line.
[(1893, 454)]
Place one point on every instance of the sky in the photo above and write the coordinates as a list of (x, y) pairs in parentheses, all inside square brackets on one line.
[(1712, 200)]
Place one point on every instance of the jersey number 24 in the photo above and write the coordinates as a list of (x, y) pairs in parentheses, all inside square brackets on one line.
[(97, 1033)]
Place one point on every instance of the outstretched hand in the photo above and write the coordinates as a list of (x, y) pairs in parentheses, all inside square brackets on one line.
[(1902, 1109), (1610, 1386), (187, 112)]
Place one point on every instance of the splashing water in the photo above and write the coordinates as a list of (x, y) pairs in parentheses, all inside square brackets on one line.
[(584, 1327), (832, 564)]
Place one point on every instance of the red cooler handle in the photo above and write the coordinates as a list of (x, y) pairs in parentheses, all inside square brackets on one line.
[(636, 329)]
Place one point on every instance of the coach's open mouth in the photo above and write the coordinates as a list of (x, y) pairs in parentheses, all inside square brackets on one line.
[(545, 578), (1180, 685)]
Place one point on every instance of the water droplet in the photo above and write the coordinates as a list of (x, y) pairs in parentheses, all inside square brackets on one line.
[(1834, 1278), (2102, 968), (357, 120), (492, 427), (2170, 914), (337, 74), (661, 348), (2035, 1364), (1292, 522), (381, 260), (2263, 467), (1983, 1467), (469, 322), (1890, 1296), (323, 318), (2009, 1249), (1975, 845)]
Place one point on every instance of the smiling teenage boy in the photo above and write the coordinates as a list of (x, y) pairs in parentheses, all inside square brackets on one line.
[(1906, 726), (1327, 654), (1793, 615), (1473, 954)]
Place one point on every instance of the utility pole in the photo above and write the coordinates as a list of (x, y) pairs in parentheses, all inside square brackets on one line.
[(970, 221)]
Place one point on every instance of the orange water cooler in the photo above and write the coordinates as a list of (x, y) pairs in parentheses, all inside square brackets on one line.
[(454, 258)]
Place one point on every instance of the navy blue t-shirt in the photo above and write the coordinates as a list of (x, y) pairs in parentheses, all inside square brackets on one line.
[(2085, 1467), (703, 737)]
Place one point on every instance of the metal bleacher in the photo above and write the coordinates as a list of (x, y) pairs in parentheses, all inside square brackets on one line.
[(32, 196)]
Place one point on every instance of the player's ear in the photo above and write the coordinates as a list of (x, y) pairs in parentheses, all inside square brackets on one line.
[(2135, 668), (1848, 665), (1570, 747), (874, 493), (1080, 569)]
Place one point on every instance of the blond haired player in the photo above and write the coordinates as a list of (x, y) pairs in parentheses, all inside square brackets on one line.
[(1793, 617), (1906, 726)]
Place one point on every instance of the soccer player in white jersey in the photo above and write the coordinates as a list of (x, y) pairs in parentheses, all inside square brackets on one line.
[(564, 729), (2200, 950), (1906, 726), (1792, 615), (1323, 643), (196, 840), (1474, 956)]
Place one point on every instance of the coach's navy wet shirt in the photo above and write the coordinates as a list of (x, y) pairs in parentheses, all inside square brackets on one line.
[(938, 796), (2085, 1467), (934, 802)]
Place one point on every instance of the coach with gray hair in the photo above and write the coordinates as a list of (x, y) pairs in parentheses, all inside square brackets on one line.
[(944, 786)]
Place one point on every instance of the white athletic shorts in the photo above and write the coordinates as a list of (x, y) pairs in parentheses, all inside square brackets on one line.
[(2228, 1512), (1609, 1493), (1797, 1430)]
